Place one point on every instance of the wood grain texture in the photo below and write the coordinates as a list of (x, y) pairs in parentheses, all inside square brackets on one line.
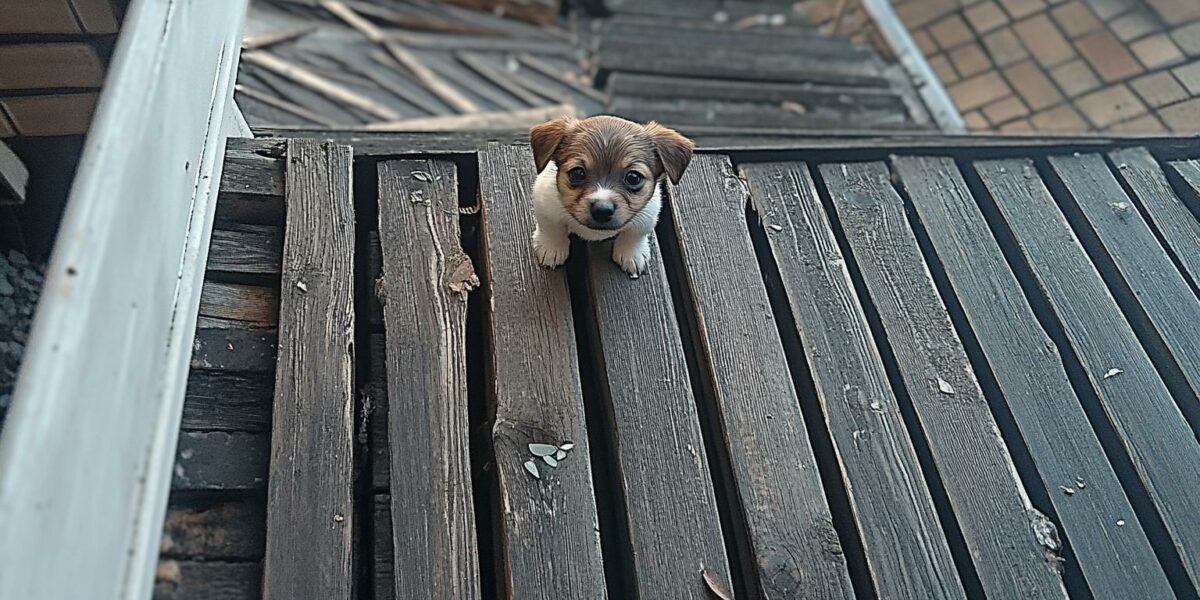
[(243, 248), (426, 280), (1029, 371), (228, 529), (244, 306), (905, 546), (65, 65), (198, 580), (96, 16), (807, 95), (774, 470), (226, 401), (309, 510), (244, 350), (382, 554), (1175, 223), (56, 114), (37, 16), (220, 460), (990, 504), (550, 542), (737, 64), (675, 530), (253, 167), (1163, 448), (1140, 260)]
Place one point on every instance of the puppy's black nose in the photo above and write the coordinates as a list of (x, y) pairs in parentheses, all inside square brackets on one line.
[(603, 213)]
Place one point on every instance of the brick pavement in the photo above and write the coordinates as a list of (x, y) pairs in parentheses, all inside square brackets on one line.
[(1129, 66)]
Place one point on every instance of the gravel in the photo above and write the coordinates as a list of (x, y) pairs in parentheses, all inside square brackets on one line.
[(20, 284)]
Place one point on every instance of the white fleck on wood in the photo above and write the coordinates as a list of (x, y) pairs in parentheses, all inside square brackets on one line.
[(86, 456)]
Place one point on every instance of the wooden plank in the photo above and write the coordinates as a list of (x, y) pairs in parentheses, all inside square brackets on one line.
[(267, 39), (1030, 374), (798, 41), (731, 63), (1171, 217), (309, 507), (229, 529), (116, 356), (57, 114), (890, 501), (6, 128), (330, 89), (1140, 260), (65, 65), (845, 98), (750, 114), (426, 280), (246, 350), (37, 16), (196, 580), (254, 167), (220, 460), (14, 177), (227, 401), (499, 77), (1189, 170), (247, 306), (997, 520), (284, 105), (426, 41), (550, 543), (96, 16), (526, 117), (672, 513), (538, 65), (243, 248), (763, 431), (1149, 424)]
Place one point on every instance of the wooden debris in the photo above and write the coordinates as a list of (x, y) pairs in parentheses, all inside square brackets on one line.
[(257, 41), (537, 64), (284, 105), (517, 119), (318, 84)]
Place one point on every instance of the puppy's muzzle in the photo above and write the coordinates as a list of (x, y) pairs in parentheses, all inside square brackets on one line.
[(602, 208)]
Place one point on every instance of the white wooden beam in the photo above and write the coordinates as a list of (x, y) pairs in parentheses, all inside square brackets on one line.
[(88, 450)]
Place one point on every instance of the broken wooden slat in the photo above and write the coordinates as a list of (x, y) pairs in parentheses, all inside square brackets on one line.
[(418, 69), (240, 305), (316, 83), (1030, 374), (59, 114), (997, 520), (227, 401), (763, 435), (244, 350), (228, 529), (1164, 450), (523, 118), (892, 505), (14, 177), (309, 509), (257, 41), (1142, 262), (192, 580), (426, 280), (499, 77), (252, 167), (1177, 225), (284, 105), (246, 248), (64, 65), (220, 460), (672, 512), (550, 544)]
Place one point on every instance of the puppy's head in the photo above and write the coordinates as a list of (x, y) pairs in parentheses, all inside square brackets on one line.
[(608, 168)]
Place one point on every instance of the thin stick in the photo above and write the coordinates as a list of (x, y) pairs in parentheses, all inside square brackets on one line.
[(283, 105), (419, 70), (479, 121), (258, 41), (316, 83)]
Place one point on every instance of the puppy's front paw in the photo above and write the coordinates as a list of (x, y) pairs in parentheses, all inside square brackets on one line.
[(632, 256), (550, 250)]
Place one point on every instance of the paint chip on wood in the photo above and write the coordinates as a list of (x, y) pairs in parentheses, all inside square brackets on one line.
[(945, 387), (1113, 373)]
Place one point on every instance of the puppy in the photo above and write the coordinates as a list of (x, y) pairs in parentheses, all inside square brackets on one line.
[(599, 178)]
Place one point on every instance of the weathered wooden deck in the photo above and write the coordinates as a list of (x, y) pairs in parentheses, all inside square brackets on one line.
[(937, 369)]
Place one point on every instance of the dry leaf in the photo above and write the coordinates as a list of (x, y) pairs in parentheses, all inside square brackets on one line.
[(532, 468), (715, 587), (945, 387), (567, 446), (422, 176), (543, 449), (1113, 373), (550, 460), (561, 454)]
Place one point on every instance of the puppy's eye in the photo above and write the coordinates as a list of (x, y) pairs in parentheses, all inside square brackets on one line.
[(634, 180), (576, 176)]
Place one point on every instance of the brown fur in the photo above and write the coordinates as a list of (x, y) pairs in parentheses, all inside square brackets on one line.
[(607, 148)]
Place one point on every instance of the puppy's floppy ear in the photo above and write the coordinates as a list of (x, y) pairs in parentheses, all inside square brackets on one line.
[(674, 150), (546, 137)]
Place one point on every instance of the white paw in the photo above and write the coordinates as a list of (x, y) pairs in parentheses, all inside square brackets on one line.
[(551, 251), (632, 257)]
